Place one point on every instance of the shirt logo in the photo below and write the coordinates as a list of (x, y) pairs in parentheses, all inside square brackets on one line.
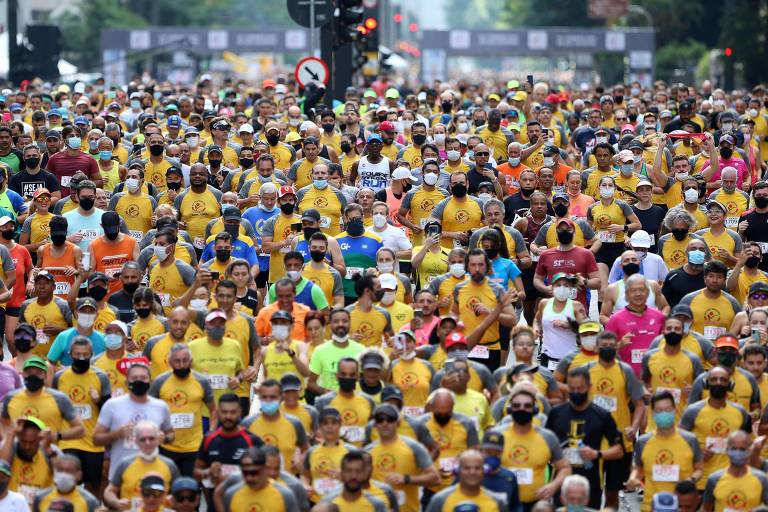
[(519, 454), (409, 380), (427, 204), (603, 220), (198, 207), (179, 398), (77, 393), (604, 386), (668, 375), (736, 500), (349, 417), (720, 428), (320, 202), (665, 457), (386, 463), (678, 257), (712, 315), (461, 216), (132, 211), (732, 208)]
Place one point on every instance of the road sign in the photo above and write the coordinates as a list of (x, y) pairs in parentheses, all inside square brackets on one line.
[(610, 9), (303, 12), (312, 69)]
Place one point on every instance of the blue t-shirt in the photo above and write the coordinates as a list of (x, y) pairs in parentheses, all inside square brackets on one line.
[(88, 225), (59, 351), (504, 271), (240, 250), (17, 202), (359, 254), (257, 216)]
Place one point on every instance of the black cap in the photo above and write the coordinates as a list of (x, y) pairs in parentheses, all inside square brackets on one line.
[(153, 482), (389, 392), (550, 150), (492, 441), (290, 382), (311, 140), (635, 144), (53, 134), (682, 310), (98, 276), (87, 301), (758, 287), (386, 410), (208, 113), (521, 368), (330, 412), (174, 170), (214, 147), (231, 213), (372, 360), (311, 214), (282, 315)]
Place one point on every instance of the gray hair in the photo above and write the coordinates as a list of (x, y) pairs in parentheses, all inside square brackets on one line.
[(635, 278), (732, 172), (578, 481), (267, 188), (178, 347), (515, 145), (104, 140), (493, 202), (677, 215)]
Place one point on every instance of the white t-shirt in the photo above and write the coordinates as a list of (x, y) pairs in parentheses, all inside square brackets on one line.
[(392, 238), (652, 267), (14, 502)]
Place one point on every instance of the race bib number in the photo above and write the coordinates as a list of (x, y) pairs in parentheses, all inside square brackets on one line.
[(83, 411), (228, 470), (218, 381), (676, 393), (66, 180), (165, 299), (198, 242), (323, 486), (637, 355), (89, 234), (325, 222), (479, 352), (606, 402), (534, 257), (413, 412), (717, 444), (552, 365), (573, 456), (62, 288), (711, 331), (524, 475), (354, 271), (137, 235), (183, 420), (606, 236), (732, 222), (666, 473), (42, 338), (448, 464), (352, 434)]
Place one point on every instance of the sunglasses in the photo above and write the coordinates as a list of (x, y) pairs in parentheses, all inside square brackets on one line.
[(152, 494), (250, 472), (482, 153), (759, 296), (385, 419), (186, 497)]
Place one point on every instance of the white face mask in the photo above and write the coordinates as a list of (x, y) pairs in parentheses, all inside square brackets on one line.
[(198, 304), (453, 155), (64, 482), (430, 179), (463, 127), (457, 270), (681, 176), (386, 268), (193, 142), (379, 220), (388, 298), (561, 293), (161, 252), (549, 161), (606, 192), (601, 140), (589, 342), (691, 196), (280, 332), (727, 127), (85, 320), (753, 113), (440, 138), (294, 275), (132, 184), (485, 196), (408, 356)]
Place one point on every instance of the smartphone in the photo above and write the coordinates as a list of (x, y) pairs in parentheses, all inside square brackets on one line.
[(417, 313), (433, 230), (400, 342), (214, 276), (529, 79), (449, 365), (756, 334), (137, 148), (296, 227)]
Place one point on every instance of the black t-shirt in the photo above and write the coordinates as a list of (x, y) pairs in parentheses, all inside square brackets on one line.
[(651, 220), (124, 304), (680, 283), (757, 231), (589, 427), (25, 184), (517, 202), (249, 301), (476, 177), (219, 446)]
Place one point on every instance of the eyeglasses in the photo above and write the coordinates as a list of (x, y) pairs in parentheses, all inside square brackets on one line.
[(483, 153), (151, 493), (250, 472), (759, 296), (186, 497), (384, 419)]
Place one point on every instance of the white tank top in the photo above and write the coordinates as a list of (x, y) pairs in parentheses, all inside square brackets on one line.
[(556, 341), (374, 176), (621, 296)]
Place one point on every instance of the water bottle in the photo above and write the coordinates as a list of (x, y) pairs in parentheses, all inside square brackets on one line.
[(587, 463)]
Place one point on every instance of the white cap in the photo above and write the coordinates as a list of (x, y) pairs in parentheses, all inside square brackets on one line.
[(403, 173), (640, 239), (388, 282), (281, 89), (5, 220), (643, 183), (246, 127), (306, 124), (79, 88), (625, 155), (82, 101), (462, 138), (119, 323)]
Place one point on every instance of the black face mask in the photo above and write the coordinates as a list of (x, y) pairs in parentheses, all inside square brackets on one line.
[(138, 387), (156, 149), (446, 106), (32, 162), (81, 365), (33, 383), (182, 373), (273, 139), (726, 359), (347, 384), (355, 227), (526, 192), (492, 252), (130, 288), (308, 232), (606, 354), (58, 239), (673, 339), (761, 201), (8, 235), (382, 118), (718, 391), (561, 210), (522, 417), (173, 185), (328, 127), (223, 254), (143, 312), (679, 234), (97, 292), (459, 190), (752, 262), (346, 148), (112, 234), (630, 268), (578, 398), (246, 163), (442, 419), (564, 237), (317, 256), (287, 209), (214, 163), (86, 203), (419, 139), (726, 152), (23, 345)]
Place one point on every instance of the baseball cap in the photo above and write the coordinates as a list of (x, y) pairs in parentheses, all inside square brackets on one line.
[(590, 326), (214, 147), (330, 412), (727, 138), (371, 359), (492, 441), (208, 114), (231, 213), (153, 483), (245, 127), (184, 483), (267, 83), (98, 276), (550, 150), (5, 468), (53, 112), (5, 219), (28, 328), (375, 136), (627, 127), (521, 368), (388, 282), (369, 93), (81, 120), (36, 362), (389, 392), (664, 502), (643, 183), (16, 107), (221, 125), (35, 421), (392, 93), (46, 275), (513, 84), (87, 301), (454, 338), (171, 107), (758, 287), (292, 137), (563, 275), (174, 170), (290, 382), (720, 205), (41, 191), (174, 122), (53, 134), (282, 315), (494, 96), (665, 114), (386, 126), (311, 214), (213, 315), (190, 130), (625, 156), (120, 325), (387, 410), (565, 220), (520, 96), (641, 239), (562, 195), (285, 190), (403, 173), (727, 341), (685, 310), (634, 144)]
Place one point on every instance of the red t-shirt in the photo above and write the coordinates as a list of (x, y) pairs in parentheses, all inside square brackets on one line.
[(577, 260), (23, 261), (64, 166)]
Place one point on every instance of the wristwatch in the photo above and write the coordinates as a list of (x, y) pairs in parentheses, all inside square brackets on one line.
[(407, 479), (626, 228), (599, 454), (291, 353)]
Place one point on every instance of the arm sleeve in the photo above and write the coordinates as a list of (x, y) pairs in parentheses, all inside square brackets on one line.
[(423, 459), (552, 443), (689, 417), (541, 236)]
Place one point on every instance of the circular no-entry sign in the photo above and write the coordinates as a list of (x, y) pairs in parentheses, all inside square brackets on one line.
[(311, 69)]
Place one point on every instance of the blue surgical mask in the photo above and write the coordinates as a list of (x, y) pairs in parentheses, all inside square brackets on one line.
[(696, 257), (626, 169), (664, 419), (135, 104), (321, 184), (637, 158), (113, 341), (93, 145), (514, 162), (687, 327), (105, 155), (491, 464), (738, 457), (74, 142), (270, 408)]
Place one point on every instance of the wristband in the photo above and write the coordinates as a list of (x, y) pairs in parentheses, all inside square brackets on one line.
[(291, 353)]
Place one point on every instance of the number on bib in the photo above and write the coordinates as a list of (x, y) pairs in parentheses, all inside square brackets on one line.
[(606, 236), (606, 402), (218, 381), (183, 420), (666, 473), (524, 475)]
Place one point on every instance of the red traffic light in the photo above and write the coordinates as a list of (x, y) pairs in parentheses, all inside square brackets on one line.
[(728, 51), (398, 17), (362, 30), (370, 23), (413, 27)]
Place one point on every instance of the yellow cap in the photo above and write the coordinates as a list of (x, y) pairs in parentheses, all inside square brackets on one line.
[(292, 137), (590, 326)]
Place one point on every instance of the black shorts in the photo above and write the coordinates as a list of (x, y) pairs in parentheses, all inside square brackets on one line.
[(91, 464), (610, 252), (527, 276), (261, 279), (184, 461), (10, 311), (617, 472)]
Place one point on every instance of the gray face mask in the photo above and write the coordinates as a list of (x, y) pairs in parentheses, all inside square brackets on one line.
[(459, 355), (216, 333)]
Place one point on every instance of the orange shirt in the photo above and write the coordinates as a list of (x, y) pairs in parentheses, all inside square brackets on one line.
[(511, 176), (56, 265), (110, 257), (561, 172), (579, 205), (264, 320)]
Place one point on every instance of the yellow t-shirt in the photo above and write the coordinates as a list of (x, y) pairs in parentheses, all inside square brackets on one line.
[(399, 313), (745, 281), (170, 282), (273, 498), (116, 378), (452, 438), (142, 329), (728, 240), (467, 295), (528, 456), (660, 455), (130, 472), (372, 325), (603, 216), (218, 363), (29, 478), (136, 211), (322, 278), (40, 316), (187, 399), (283, 156), (355, 413), (459, 216), (484, 501), (711, 317), (671, 373), (285, 432), (420, 205), (197, 210), (77, 387), (413, 379), (404, 456), (739, 493), (155, 174), (328, 204), (38, 227), (321, 459)]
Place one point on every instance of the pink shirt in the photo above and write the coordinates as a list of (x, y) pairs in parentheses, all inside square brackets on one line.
[(644, 327), (579, 205), (422, 334), (736, 163)]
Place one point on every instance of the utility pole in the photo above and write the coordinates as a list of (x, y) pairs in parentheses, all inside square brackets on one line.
[(14, 50)]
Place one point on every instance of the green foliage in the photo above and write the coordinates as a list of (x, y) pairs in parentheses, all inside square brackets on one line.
[(677, 61)]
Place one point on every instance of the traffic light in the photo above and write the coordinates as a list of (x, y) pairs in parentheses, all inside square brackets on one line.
[(371, 27), (349, 18), (728, 52)]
